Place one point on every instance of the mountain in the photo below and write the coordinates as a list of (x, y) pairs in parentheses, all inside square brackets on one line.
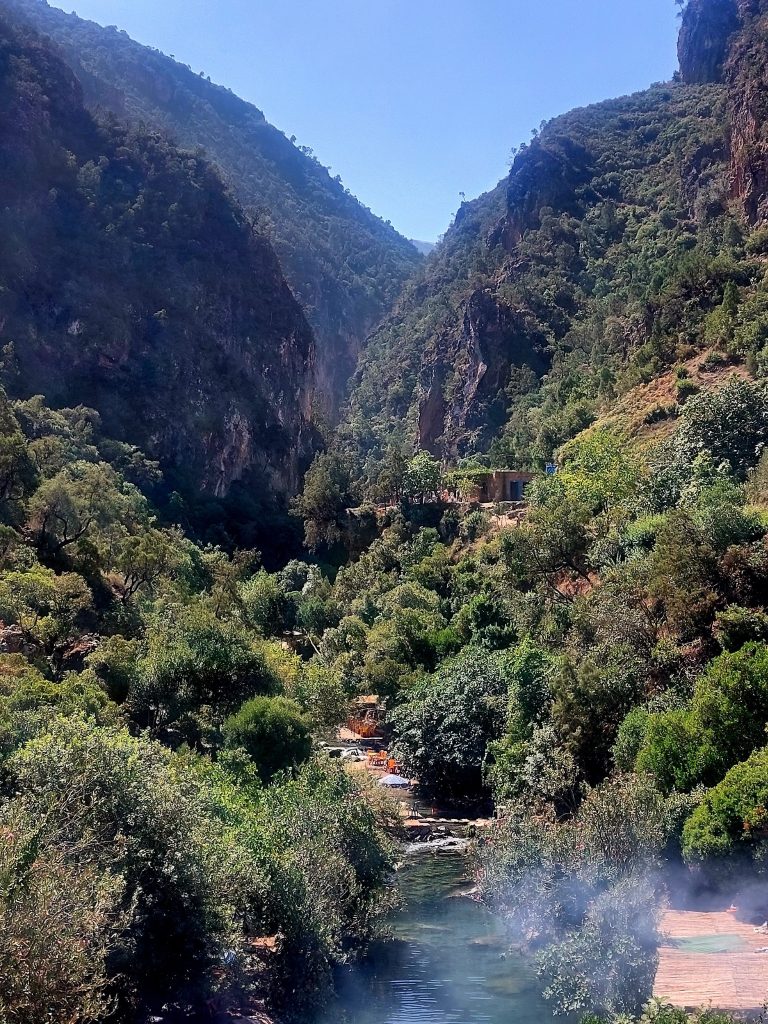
[(131, 282), (425, 248), (345, 265), (625, 242)]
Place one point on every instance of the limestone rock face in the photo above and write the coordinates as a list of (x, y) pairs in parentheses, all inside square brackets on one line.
[(704, 37), (132, 283), (544, 175), (463, 383), (345, 266), (746, 73), (727, 41)]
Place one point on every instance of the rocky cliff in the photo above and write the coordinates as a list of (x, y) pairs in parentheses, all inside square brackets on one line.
[(746, 75), (132, 283), (586, 270), (705, 35), (726, 41), (345, 265)]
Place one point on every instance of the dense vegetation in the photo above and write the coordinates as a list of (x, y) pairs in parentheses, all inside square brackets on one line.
[(345, 265), (597, 670), (168, 834)]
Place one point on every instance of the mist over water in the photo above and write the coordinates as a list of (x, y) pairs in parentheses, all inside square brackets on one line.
[(447, 961)]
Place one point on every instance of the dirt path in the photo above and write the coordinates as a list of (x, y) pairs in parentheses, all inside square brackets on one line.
[(710, 958)]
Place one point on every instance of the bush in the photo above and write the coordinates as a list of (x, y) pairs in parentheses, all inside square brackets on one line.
[(273, 732), (737, 626), (723, 724), (29, 702), (442, 732), (196, 669), (58, 926), (122, 807), (732, 820)]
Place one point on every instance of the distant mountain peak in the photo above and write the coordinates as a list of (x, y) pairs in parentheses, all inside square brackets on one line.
[(425, 248)]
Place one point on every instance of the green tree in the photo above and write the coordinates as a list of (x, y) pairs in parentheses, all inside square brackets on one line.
[(84, 500), (422, 478), (45, 606), (59, 924), (143, 559), (320, 693), (324, 502), (264, 605), (195, 670), (121, 807), (723, 724), (732, 818), (273, 732), (443, 730)]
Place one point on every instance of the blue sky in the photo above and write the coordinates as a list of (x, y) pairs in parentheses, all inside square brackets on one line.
[(411, 101)]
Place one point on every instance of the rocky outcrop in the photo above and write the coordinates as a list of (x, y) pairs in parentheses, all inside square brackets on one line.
[(463, 400), (727, 41), (706, 30), (132, 283), (746, 73), (546, 174)]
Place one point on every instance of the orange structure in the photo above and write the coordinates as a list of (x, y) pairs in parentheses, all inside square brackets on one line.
[(367, 717)]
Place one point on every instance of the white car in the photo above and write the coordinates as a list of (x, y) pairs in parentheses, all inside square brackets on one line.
[(353, 754)]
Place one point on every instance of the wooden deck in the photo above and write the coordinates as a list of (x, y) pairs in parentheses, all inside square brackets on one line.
[(735, 977)]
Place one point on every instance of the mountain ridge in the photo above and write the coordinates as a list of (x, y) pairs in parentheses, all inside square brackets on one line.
[(345, 265), (597, 264), (114, 293)]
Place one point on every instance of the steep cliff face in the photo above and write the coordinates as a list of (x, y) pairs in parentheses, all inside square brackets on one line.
[(544, 289), (704, 39), (345, 266), (132, 283), (746, 73), (594, 267), (463, 401), (545, 175), (727, 41)]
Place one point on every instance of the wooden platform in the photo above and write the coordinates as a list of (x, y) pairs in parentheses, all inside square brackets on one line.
[(734, 979)]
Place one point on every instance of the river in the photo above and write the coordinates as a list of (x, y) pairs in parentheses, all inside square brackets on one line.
[(446, 962)]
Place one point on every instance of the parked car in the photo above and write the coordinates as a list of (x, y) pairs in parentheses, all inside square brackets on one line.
[(354, 754)]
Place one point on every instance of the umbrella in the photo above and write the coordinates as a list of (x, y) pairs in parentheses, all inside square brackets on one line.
[(394, 782)]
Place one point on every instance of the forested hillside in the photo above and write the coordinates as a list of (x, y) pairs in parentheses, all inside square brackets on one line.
[(345, 265), (147, 861), (131, 282), (625, 242)]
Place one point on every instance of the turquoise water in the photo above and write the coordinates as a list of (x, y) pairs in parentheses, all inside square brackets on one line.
[(447, 962)]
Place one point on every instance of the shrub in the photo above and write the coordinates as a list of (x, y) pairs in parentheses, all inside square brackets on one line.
[(737, 626), (723, 724), (273, 732), (443, 730), (122, 807), (58, 926), (733, 817)]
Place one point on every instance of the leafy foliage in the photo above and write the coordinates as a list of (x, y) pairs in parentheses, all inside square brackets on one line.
[(273, 733)]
